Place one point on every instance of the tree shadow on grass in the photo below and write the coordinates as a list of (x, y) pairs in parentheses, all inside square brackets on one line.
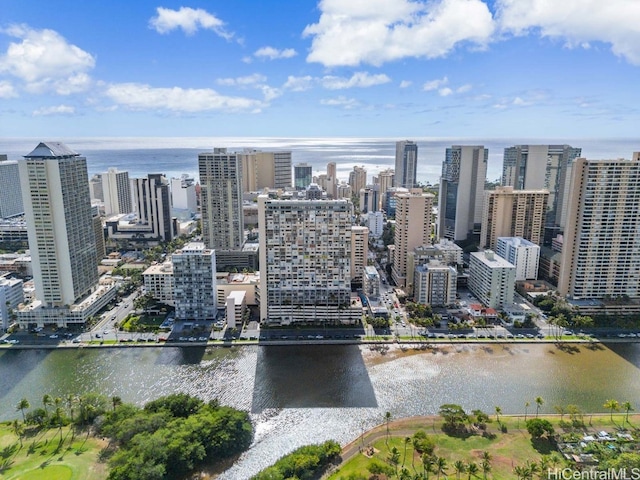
[(543, 445)]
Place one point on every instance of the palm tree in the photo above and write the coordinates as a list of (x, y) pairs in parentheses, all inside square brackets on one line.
[(387, 418), (407, 440), (627, 408), (18, 429), (526, 407), (521, 472), (573, 412), (612, 405), (22, 406), (459, 468), (47, 401), (486, 467), (427, 464), (539, 403), (116, 401), (560, 410), (472, 469), (394, 458), (71, 400), (532, 468), (498, 412), (441, 466)]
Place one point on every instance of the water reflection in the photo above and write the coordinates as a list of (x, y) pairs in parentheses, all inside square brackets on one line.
[(311, 377)]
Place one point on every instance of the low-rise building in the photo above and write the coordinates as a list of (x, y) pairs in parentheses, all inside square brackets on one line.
[(11, 296), (158, 282), (236, 306), (371, 282)]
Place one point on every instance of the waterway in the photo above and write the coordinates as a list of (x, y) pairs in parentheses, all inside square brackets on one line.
[(299, 395)]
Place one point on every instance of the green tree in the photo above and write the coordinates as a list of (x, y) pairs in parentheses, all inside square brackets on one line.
[(526, 408), (560, 410), (387, 419), (537, 427), (459, 467), (407, 441), (394, 458), (23, 405), (440, 466), (628, 407), (472, 469), (612, 405), (116, 401), (539, 402), (498, 412), (18, 430), (47, 401), (454, 417)]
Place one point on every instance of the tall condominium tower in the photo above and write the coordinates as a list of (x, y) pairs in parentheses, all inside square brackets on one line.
[(332, 180), (413, 228), (305, 258), (55, 192), (406, 164), (265, 170), (221, 199), (385, 180), (10, 195), (601, 249), (183, 194), (116, 192), (302, 175), (513, 213), (534, 167), (194, 277), (464, 172), (152, 203), (357, 179), (359, 252)]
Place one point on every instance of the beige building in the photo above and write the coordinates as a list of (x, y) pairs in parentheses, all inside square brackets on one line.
[(158, 282), (601, 248), (357, 179), (359, 252), (435, 284), (385, 180), (413, 228), (513, 213), (265, 170)]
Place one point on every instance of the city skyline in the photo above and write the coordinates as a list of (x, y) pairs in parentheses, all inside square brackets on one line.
[(412, 69)]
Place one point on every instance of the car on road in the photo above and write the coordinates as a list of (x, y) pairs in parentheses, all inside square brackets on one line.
[(53, 336)]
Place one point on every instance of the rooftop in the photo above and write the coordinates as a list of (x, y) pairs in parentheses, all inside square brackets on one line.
[(51, 150)]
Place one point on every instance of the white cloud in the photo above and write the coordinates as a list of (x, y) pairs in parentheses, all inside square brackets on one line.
[(7, 90), (341, 101), (378, 31), (445, 92), (273, 53), (405, 83), (435, 84), (577, 22), (358, 79), (57, 110), (253, 79), (190, 20), (137, 96), (299, 84), (46, 61), (464, 88)]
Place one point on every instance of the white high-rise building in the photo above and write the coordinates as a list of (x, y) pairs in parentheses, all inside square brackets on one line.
[(221, 199), (11, 295), (305, 258), (183, 194), (601, 247), (116, 191), (461, 194), (194, 278), (492, 279), (375, 221), (522, 253), (62, 242), (406, 164), (10, 194), (413, 228)]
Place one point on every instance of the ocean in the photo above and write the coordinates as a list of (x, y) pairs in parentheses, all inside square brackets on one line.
[(174, 156)]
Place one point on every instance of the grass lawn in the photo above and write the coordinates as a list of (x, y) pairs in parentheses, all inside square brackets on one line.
[(507, 450), (43, 457)]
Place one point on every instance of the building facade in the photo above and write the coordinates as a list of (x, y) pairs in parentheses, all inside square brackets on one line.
[(513, 213), (11, 203), (11, 295), (305, 258), (375, 222), (302, 175), (385, 181), (262, 170), (152, 205), (601, 248), (221, 199), (116, 192), (523, 254), (359, 252), (194, 277), (435, 284), (492, 279), (158, 282), (413, 228), (461, 195), (183, 194), (357, 179), (406, 164)]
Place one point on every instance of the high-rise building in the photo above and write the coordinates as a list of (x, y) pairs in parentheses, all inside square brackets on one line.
[(513, 213), (95, 188), (55, 193), (491, 279), (262, 170), (369, 198), (344, 191), (413, 228), (375, 222), (464, 172), (11, 295), (116, 191), (406, 164), (357, 179), (385, 180), (305, 258), (183, 194), (359, 252), (10, 194), (435, 284), (152, 204), (332, 180), (535, 167), (523, 254), (194, 279), (302, 175), (601, 248), (221, 199)]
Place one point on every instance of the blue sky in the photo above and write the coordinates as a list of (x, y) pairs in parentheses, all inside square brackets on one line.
[(308, 68)]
